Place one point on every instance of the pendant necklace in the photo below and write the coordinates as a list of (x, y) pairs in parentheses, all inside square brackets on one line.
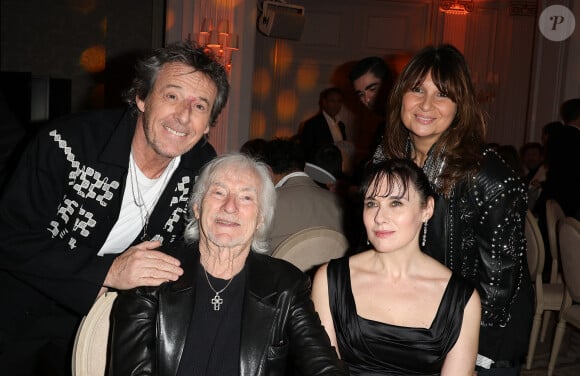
[(217, 300), (139, 200)]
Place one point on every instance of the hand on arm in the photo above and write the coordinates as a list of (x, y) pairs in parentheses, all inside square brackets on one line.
[(142, 265)]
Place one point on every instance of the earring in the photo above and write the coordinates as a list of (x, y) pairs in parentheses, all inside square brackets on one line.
[(424, 238)]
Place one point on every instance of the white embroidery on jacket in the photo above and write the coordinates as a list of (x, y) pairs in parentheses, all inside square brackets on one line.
[(87, 183), (180, 199)]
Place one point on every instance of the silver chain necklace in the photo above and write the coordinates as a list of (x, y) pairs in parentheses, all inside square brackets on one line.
[(217, 300), (433, 166), (139, 200)]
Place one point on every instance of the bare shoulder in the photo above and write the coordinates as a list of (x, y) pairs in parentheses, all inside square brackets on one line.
[(360, 261), (436, 269), (320, 274)]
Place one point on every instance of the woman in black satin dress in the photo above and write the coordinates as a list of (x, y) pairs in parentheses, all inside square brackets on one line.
[(392, 309)]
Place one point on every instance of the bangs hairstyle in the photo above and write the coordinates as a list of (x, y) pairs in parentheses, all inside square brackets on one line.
[(462, 143), (395, 174)]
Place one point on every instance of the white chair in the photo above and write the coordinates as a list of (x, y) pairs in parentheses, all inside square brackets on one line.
[(548, 296), (535, 255), (569, 236), (312, 247), (90, 347), (554, 214)]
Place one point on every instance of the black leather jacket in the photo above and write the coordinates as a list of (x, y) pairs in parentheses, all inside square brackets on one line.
[(479, 232), (279, 324)]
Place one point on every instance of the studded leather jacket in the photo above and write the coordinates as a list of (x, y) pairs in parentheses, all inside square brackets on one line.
[(478, 231)]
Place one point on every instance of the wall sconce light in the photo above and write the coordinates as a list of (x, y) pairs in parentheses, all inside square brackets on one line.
[(219, 40), (457, 7)]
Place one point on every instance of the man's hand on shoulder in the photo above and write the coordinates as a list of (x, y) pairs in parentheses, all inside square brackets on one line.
[(142, 265)]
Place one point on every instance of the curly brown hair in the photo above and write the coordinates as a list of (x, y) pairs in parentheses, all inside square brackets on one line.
[(461, 144)]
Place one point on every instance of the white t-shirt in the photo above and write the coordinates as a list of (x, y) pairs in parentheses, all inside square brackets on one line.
[(132, 218)]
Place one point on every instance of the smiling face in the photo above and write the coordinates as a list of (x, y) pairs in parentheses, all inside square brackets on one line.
[(176, 113), (393, 222), (229, 213), (427, 112)]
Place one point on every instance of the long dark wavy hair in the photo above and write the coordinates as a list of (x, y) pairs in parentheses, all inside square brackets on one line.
[(462, 143)]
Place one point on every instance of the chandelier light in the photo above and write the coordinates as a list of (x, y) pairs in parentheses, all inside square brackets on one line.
[(457, 7)]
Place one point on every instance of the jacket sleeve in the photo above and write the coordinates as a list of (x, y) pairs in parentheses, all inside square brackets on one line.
[(313, 354), (133, 332), (34, 196), (499, 232)]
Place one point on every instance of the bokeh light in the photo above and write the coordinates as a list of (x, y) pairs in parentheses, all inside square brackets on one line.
[(258, 125), (286, 106), (262, 83), (283, 132), (169, 18), (307, 75), (93, 59), (282, 49)]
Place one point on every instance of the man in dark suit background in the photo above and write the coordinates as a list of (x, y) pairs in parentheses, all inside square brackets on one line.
[(325, 127)]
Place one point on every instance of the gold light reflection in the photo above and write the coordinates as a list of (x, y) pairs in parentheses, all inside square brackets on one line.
[(258, 124), (262, 83), (282, 49), (307, 75), (286, 106), (93, 59), (284, 132), (169, 19)]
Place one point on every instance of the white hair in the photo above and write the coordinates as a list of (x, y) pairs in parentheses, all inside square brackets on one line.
[(266, 198)]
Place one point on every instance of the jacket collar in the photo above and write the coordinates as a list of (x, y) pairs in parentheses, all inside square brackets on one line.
[(116, 151), (258, 311)]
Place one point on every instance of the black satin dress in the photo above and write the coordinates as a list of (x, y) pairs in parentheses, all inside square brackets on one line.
[(373, 348)]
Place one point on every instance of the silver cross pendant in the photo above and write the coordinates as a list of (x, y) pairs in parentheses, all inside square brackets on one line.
[(217, 302)]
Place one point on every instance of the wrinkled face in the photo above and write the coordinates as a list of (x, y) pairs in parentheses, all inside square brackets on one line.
[(426, 112), (229, 213), (332, 104), (176, 113), (367, 88), (394, 222)]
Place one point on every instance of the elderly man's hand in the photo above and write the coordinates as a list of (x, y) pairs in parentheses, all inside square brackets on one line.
[(142, 265)]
